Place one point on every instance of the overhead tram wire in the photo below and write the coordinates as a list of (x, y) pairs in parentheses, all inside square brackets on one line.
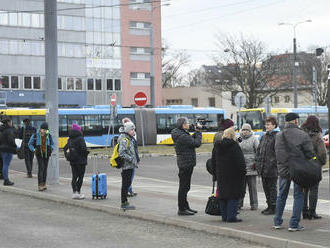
[(79, 8), (219, 17)]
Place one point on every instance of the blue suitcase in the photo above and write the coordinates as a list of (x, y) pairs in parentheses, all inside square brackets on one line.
[(99, 186)]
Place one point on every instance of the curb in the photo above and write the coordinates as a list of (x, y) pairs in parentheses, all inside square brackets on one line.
[(260, 239)]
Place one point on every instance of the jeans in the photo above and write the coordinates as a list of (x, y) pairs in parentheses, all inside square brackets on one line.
[(28, 157), (298, 202), (78, 172), (228, 209), (42, 170), (251, 182), (6, 159), (269, 185), (184, 187), (130, 189), (126, 176)]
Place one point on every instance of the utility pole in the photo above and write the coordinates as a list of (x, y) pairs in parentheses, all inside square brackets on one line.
[(295, 65), (50, 12), (152, 76), (315, 89)]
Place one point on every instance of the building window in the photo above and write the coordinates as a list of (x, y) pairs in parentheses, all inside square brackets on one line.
[(140, 50), (3, 18), (194, 102), (36, 82), (109, 84), (59, 83), (14, 82), (90, 84), (4, 82), (98, 84), (140, 75), (174, 102), (139, 25), (212, 101), (287, 99), (70, 84), (117, 84), (78, 84), (27, 83), (276, 99)]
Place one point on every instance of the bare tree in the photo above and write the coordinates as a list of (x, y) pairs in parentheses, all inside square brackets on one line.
[(172, 64), (322, 84), (196, 77), (248, 69)]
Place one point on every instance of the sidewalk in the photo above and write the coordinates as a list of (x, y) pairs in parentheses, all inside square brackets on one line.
[(157, 202)]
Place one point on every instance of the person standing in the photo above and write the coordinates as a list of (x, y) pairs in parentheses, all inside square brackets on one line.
[(312, 127), (127, 151), (185, 145), (7, 148), (249, 145), (42, 144), (223, 125), (300, 139), (267, 165), (77, 149), (25, 134), (230, 168)]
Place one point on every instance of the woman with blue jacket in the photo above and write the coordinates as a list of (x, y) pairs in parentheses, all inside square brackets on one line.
[(42, 144)]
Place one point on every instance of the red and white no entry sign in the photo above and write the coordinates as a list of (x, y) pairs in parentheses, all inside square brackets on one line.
[(113, 99), (140, 98)]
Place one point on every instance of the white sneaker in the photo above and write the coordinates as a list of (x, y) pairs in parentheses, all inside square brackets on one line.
[(75, 195), (81, 196)]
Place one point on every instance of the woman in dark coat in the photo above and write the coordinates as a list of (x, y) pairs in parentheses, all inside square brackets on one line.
[(7, 148), (228, 159), (77, 149), (312, 127)]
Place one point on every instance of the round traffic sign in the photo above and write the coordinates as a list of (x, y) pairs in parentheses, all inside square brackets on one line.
[(240, 99), (140, 98), (113, 99)]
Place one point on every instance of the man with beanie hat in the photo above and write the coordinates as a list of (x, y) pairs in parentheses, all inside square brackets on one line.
[(77, 151), (127, 151), (295, 136), (42, 144), (185, 145)]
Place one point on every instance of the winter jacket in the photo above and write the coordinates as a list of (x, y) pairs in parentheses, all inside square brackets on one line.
[(296, 137), (185, 145), (218, 136), (122, 131), (318, 145), (27, 132), (249, 146), (7, 139), (127, 151), (35, 144), (266, 157), (229, 162), (77, 142)]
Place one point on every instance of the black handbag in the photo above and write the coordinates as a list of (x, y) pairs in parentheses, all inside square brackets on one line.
[(213, 205), (304, 172)]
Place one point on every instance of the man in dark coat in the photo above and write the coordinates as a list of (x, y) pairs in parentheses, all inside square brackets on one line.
[(25, 134), (7, 147), (185, 145), (303, 143), (229, 162), (267, 164)]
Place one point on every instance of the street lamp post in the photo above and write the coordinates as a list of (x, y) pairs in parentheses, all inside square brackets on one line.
[(295, 63)]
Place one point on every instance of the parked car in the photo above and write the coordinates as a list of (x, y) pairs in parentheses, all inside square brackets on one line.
[(326, 140)]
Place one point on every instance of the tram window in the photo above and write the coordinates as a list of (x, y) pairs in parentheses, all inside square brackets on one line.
[(171, 122), (254, 118), (77, 119), (63, 126), (105, 123), (212, 123), (92, 125), (161, 124)]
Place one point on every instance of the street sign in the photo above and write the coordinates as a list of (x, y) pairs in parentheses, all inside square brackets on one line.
[(140, 98), (113, 99), (240, 99)]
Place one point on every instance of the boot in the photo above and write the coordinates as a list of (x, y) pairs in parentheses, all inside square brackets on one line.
[(265, 210), (313, 215), (270, 211), (40, 187), (8, 183), (306, 214)]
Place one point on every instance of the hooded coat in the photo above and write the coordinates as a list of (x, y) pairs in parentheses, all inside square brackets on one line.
[(77, 141), (229, 162), (185, 145), (318, 145), (7, 139), (249, 146)]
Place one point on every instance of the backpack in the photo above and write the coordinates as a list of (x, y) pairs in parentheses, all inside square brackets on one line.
[(116, 161), (71, 154)]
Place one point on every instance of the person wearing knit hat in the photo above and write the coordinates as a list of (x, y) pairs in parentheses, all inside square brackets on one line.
[(42, 144), (223, 125), (249, 145), (129, 153), (76, 153)]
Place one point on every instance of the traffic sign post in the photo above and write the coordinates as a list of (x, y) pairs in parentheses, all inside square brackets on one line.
[(240, 101), (140, 100)]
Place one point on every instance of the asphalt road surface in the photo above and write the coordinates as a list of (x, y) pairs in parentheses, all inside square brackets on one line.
[(32, 223)]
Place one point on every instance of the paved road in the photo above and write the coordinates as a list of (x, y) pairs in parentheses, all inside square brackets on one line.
[(27, 222)]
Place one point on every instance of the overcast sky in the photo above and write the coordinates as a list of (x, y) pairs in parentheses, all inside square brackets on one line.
[(193, 24)]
